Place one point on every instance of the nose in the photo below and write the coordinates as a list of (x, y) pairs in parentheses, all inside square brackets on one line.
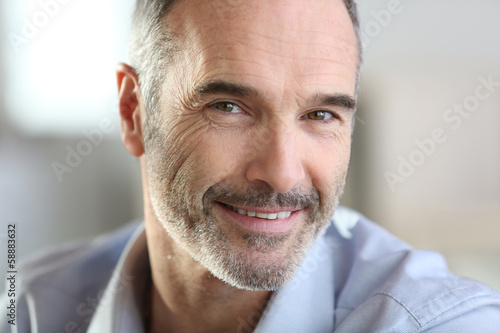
[(277, 160)]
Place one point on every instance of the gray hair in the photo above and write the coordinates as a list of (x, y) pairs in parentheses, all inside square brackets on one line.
[(152, 46)]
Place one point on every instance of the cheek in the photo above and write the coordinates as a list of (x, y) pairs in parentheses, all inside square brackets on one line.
[(195, 156), (328, 163), (171, 152), (223, 153)]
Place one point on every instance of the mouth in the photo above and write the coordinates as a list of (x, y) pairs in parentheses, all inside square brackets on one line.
[(265, 216), (275, 220)]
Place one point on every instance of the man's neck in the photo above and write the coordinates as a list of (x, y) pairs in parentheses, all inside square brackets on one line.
[(185, 297)]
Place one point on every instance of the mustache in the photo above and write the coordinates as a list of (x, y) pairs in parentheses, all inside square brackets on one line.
[(262, 196)]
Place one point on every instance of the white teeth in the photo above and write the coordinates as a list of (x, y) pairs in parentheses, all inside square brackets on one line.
[(273, 216), (282, 215), (262, 215)]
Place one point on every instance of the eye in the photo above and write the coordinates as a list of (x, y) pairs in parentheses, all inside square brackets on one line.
[(227, 107), (319, 115)]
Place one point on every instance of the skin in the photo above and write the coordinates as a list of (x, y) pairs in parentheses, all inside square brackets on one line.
[(274, 144)]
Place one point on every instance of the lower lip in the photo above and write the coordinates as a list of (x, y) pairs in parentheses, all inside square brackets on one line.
[(262, 225)]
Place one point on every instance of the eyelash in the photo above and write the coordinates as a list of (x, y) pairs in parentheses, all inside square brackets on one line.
[(334, 116), (214, 106)]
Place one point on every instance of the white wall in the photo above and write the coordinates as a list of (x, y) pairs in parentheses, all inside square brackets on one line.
[(428, 57), (58, 84)]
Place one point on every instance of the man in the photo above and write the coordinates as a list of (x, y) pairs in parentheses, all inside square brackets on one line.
[(241, 114)]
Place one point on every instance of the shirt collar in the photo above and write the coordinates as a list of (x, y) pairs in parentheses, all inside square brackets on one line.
[(120, 306)]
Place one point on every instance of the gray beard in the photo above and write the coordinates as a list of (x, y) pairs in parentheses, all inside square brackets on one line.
[(199, 232)]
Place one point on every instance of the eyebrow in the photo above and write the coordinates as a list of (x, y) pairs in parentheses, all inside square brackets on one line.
[(228, 88), (223, 87), (339, 100)]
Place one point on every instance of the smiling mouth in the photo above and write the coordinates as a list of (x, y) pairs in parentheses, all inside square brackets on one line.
[(264, 216)]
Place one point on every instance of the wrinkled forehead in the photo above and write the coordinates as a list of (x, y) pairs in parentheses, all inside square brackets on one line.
[(303, 36), (306, 21)]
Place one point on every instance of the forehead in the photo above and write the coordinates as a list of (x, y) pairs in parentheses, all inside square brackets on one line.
[(301, 43)]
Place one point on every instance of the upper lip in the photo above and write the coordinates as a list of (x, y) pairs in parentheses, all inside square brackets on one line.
[(268, 210)]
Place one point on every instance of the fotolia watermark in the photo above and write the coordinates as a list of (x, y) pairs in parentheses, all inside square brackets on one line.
[(31, 26), (74, 156), (452, 117)]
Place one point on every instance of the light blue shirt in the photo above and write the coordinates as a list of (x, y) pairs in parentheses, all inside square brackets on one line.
[(356, 278)]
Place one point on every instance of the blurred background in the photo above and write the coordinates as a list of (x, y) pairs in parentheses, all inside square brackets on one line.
[(426, 152)]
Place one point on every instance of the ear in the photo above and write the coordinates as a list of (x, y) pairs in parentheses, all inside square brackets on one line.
[(131, 109)]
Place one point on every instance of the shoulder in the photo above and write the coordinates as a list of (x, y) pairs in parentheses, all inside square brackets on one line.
[(59, 287), (385, 283), (75, 268)]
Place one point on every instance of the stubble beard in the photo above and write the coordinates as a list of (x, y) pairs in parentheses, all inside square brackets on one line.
[(235, 257), (243, 265)]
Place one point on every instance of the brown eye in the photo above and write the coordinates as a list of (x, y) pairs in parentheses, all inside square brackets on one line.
[(227, 107), (319, 115)]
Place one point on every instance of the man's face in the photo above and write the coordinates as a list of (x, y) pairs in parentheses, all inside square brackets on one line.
[(248, 155)]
